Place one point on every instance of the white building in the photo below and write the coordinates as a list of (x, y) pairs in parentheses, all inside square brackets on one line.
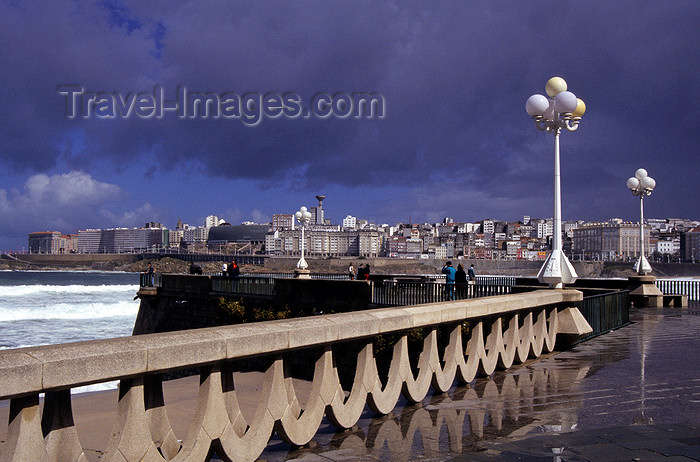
[(199, 234), (669, 247), (488, 226), (350, 223), (212, 220), (323, 242), (545, 229)]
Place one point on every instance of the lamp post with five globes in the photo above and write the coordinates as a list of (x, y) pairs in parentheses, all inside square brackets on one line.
[(641, 185), (562, 110)]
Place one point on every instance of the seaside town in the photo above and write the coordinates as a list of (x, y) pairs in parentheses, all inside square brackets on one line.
[(665, 239), (349, 231)]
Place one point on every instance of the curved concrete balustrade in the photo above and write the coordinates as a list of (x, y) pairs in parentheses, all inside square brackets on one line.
[(503, 330)]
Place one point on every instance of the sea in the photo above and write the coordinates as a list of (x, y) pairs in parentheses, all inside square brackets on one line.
[(50, 307)]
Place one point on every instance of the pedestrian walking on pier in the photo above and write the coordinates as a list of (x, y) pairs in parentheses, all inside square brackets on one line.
[(351, 271)]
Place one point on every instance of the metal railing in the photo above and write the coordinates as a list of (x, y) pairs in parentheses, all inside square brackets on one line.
[(150, 280), (691, 288), (401, 293), (605, 312), (248, 285)]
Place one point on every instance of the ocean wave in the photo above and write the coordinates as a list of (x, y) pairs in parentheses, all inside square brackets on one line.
[(73, 289), (69, 311)]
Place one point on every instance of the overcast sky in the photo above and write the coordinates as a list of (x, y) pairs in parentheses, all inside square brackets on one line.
[(454, 139)]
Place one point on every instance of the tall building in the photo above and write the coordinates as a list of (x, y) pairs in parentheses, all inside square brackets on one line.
[(89, 241), (317, 214), (122, 240), (350, 223), (212, 220)]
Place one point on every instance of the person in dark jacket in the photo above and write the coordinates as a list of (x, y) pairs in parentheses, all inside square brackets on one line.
[(460, 281), (234, 270)]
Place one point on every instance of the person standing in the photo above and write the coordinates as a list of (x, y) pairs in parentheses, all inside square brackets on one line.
[(361, 272), (351, 271), (150, 273), (234, 271), (449, 272), (460, 281), (366, 273), (224, 269), (472, 274)]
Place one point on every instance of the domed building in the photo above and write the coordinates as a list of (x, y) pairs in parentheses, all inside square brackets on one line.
[(253, 235)]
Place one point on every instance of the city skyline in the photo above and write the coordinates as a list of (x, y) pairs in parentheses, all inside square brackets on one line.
[(452, 139)]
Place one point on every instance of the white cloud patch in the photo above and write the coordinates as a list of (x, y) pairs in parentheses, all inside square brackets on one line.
[(64, 202), (259, 217)]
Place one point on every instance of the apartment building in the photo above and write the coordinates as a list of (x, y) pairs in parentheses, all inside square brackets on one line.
[(121, 240), (609, 241), (324, 242)]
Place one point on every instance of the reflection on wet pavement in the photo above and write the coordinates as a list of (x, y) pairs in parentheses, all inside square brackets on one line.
[(643, 374)]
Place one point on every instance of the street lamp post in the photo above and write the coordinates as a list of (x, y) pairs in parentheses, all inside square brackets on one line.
[(562, 110), (641, 185), (303, 216)]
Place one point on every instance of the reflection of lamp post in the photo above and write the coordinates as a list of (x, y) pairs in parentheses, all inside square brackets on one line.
[(561, 110), (303, 216), (641, 185)]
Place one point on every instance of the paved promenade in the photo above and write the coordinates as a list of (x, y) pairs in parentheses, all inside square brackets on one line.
[(633, 394)]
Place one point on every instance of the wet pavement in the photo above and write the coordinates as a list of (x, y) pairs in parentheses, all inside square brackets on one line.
[(632, 394)]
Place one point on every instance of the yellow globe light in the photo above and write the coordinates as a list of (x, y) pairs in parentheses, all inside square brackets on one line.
[(580, 108), (554, 86)]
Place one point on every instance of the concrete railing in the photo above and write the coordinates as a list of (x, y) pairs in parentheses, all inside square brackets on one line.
[(503, 330)]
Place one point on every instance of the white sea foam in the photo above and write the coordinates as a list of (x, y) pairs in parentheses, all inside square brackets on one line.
[(25, 290), (63, 310)]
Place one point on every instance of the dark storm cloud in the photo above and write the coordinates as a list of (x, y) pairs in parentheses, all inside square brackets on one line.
[(454, 76)]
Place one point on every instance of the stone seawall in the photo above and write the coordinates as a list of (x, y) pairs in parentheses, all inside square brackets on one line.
[(74, 260), (188, 302), (586, 269)]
